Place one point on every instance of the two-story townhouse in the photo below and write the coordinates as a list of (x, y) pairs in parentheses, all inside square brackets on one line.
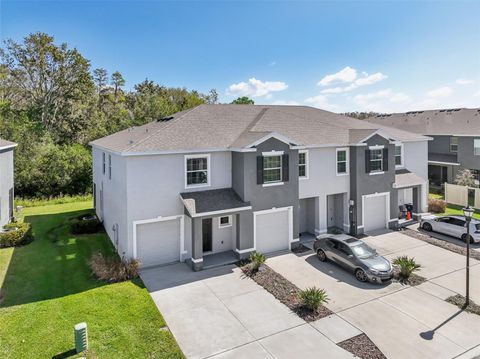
[(456, 139), (232, 179), (6, 181)]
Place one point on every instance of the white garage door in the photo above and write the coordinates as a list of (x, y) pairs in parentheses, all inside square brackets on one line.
[(158, 242), (272, 230), (374, 212)]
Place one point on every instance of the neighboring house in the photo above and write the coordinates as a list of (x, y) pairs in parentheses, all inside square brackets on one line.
[(232, 179), (456, 139), (6, 181)]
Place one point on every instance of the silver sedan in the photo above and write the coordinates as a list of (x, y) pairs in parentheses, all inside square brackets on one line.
[(355, 256)]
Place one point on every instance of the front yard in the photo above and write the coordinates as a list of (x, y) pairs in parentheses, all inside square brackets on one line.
[(46, 288), (451, 209)]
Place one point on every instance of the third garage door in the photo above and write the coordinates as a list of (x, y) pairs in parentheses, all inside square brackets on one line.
[(375, 212), (272, 230)]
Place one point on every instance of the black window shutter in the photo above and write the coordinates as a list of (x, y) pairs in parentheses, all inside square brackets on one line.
[(259, 169), (385, 159), (367, 161), (285, 168)]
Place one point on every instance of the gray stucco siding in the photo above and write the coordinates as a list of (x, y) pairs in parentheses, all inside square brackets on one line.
[(6, 184), (466, 155)]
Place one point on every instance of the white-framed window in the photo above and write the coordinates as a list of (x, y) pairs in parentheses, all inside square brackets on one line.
[(342, 161), (303, 164), (376, 159), (272, 168), (224, 221), (109, 166), (399, 155), (476, 146), (453, 144), (103, 163), (197, 170)]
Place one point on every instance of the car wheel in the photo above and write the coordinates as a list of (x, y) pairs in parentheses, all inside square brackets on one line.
[(427, 227), (464, 238), (321, 255), (360, 275)]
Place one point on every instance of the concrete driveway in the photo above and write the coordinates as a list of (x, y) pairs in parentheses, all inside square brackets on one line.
[(403, 321), (219, 313)]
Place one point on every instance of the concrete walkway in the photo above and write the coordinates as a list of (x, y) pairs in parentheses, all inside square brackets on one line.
[(403, 321), (220, 313)]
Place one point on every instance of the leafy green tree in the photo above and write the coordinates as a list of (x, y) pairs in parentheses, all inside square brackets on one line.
[(244, 100), (100, 77), (117, 82), (52, 82)]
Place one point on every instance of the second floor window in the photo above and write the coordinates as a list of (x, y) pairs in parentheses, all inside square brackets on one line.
[(342, 161), (454, 144), (103, 166), (302, 164), (272, 169), (197, 172), (376, 160), (476, 147), (398, 156)]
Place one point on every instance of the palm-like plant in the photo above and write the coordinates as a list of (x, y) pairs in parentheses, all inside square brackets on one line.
[(407, 266), (256, 259), (313, 297)]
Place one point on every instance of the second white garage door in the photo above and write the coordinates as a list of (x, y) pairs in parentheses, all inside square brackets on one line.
[(272, 230), (375, 212), (158, 242)]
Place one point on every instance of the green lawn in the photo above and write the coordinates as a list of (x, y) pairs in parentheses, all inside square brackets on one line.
[(47, 288), (451, 209)]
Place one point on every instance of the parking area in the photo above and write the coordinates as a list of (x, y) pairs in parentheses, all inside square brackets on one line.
[(220, 313), (402, 321)]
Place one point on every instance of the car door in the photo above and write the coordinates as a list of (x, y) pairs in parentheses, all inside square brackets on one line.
[(458, 227), (346, 256), (443, 225), (332, 250)]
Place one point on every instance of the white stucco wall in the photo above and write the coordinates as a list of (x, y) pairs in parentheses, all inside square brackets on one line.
[(323, 181), (6, 183), (416, 158)]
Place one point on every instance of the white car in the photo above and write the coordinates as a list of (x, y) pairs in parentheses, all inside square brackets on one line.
[(454, 226)]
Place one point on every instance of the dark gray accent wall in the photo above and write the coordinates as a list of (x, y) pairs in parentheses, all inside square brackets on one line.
[(440, 144), (244, 182), (363, 183), (466, 156)]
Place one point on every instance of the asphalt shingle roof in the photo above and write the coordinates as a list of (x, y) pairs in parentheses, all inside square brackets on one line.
[(208, 127), (462, 121), (5, 143), (212, 200)]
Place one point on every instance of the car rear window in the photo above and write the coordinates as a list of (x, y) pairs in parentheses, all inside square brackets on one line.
[(477, 226)]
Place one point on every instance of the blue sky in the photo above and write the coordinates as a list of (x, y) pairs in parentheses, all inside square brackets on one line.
[(342, 56)]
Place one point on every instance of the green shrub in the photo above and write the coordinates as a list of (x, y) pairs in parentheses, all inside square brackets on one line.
[(257, 259), (436, 205), (85, 225), (407, 266), (16, 234), (113, 269), (312, 298)]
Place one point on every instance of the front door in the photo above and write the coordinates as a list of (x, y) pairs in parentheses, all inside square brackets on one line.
[(330, 211), (207, 234)]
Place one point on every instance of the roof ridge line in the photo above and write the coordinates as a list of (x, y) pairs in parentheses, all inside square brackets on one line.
[(160, 129), (253, 123)]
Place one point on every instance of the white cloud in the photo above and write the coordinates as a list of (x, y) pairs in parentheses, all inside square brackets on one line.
[(382, 101), (365, 80), (256, 88), (464, 82), (441, 92), (289, 103), (476, 94), (322, 102), (343, 76)]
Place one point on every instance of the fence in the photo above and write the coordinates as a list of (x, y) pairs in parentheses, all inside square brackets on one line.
[(462, 195)]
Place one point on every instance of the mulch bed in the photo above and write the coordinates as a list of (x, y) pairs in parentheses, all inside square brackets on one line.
[(362, 347), (285, 291), (414, 279), (301, 249), (459, 301), (441, 243)]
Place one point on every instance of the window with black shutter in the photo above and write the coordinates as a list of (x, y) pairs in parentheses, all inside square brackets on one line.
[(385, 159), (272, 168)]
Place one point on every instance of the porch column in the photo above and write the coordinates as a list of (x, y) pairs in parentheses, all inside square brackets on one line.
[(197, 250), (244, 234)]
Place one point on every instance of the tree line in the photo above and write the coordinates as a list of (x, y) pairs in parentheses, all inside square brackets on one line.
[(52, 103)]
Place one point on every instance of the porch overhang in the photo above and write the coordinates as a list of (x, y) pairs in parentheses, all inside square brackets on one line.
[(405, 179), (213, 202), (441, 159)]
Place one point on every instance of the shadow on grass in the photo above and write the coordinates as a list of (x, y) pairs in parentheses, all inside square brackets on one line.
[(67, 354), (55, 264)]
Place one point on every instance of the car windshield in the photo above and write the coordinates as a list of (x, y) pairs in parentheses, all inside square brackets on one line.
[(363, 251)]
